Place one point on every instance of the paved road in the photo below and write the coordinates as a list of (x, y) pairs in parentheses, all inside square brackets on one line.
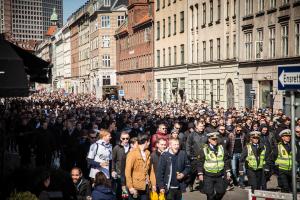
[(236, 194)]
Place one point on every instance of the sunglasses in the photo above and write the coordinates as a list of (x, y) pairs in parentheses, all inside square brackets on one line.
[(222, 129), (93, 137), (214, 139), (124, 138), (255, 137)]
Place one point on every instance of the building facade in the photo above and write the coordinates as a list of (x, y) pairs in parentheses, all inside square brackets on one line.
[(212, 44), (28, 19), (105, 19), (171, 47), (270, 37), (134, 53)]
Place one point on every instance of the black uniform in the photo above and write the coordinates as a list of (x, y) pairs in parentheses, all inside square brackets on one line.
[(194, 144), (214, 184), (256, 177)]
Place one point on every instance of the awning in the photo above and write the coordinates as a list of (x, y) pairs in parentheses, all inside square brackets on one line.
[(13, 79), (38, 69)]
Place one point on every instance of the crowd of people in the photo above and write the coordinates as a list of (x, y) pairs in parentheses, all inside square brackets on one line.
[(128, 149)]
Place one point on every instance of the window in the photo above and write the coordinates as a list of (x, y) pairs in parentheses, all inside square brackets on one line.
[(157, 4), (259, 44), (227, 9), (261, 5), (121, 19), (211, 11), (249, 7), (219, 9), (272, 42), (182, 53), (297, 39), (164, 28), (234, 46), (175, 24), (285, 2), (192, 52), (197, 52), (204, 14), (105, 41), (218, 90), (106, 60), (158, 30), (169, 54), (169, 26), (204, 51), (272, 3), (106, 80), (158, 58), (192, 15), (284, 40), (234, 7), (164, 3), (106, 3), (227, 47), (211, 50), (218, 49), (204, 89), (105, 22), (164, 57), (158, 83), (181, 22), (175, 55), (248, 45)]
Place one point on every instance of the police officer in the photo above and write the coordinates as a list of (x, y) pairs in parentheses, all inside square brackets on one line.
[(214, 168), (255, 158), (194, 143), (282, 155)]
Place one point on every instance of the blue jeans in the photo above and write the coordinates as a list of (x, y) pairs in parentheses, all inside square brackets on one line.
[(235, 168)]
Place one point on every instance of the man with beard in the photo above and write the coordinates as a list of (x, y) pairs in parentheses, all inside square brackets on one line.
[(194, 143), (83, 188)]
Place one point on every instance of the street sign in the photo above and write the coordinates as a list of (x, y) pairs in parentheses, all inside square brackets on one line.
[(289, 77), (121, 93)]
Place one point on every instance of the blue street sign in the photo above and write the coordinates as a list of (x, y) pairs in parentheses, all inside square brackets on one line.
[(289, 77), (121, 93)]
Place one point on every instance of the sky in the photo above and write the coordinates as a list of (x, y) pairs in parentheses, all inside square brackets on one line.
[(70, 6)]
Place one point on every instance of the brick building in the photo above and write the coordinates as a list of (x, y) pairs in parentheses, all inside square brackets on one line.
[(135, 47)]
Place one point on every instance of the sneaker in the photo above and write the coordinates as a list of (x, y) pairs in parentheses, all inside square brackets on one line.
[(230, 187), (242, 186), (191, 188)]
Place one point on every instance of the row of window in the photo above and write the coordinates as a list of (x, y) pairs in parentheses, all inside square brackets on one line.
[(210, 15), (137, 38), (181, 28), (261, 5), (259, 46), (158, 56), (162, 3), (143, 61), (106, 61)]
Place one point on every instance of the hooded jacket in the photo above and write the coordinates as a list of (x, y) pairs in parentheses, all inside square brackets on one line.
[(102, 193)]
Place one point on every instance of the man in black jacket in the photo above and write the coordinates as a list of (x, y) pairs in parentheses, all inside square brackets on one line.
[(194, 143), (173, 167), (161, 146), (83, 187), (119, 154)]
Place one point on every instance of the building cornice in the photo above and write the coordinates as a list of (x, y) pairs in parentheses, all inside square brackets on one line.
[(149, 69), (269, 62)]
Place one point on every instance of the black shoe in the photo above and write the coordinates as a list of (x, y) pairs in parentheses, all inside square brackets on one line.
[(191, 188), (242, 186)]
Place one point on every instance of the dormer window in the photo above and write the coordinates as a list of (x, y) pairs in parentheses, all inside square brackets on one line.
[(107, 3)]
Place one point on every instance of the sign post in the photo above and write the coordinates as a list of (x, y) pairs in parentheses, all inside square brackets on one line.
[(289, 79)]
